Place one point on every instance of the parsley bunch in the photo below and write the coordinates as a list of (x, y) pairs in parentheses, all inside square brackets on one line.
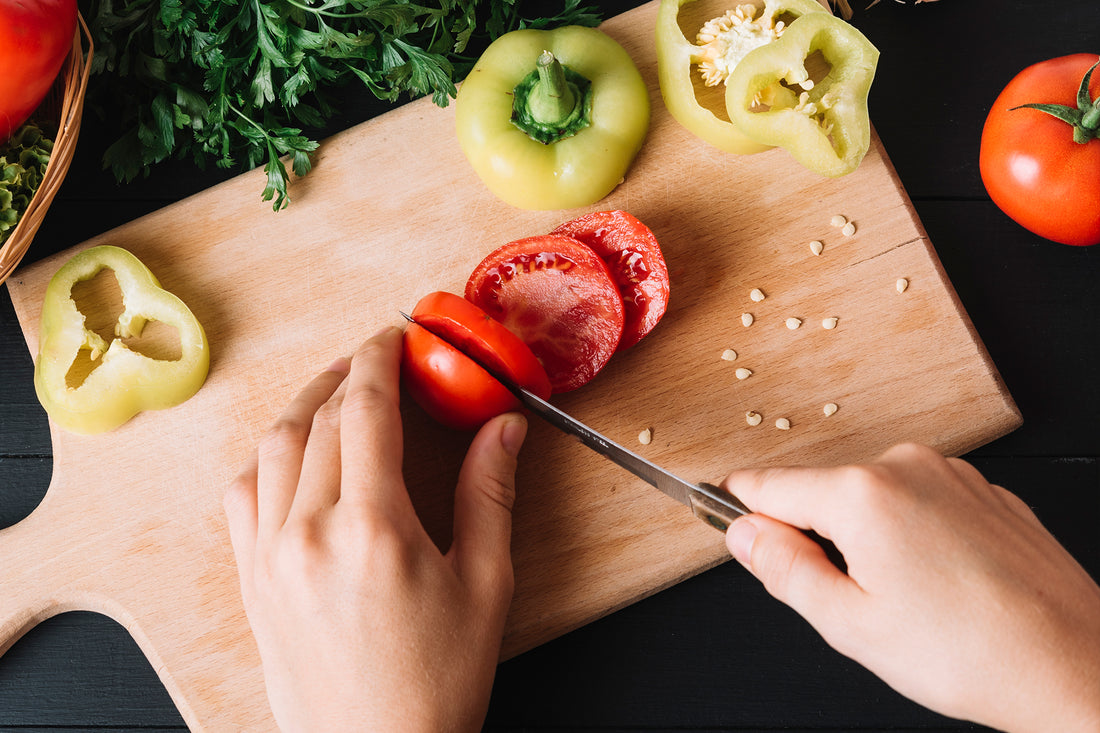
[(239, 81)]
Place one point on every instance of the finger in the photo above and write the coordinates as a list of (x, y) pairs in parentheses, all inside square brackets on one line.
[(239, 503), (801, 497), (319, 483), (370, 435), (794, 569), (484, 499), (281, 451), (972, 477)]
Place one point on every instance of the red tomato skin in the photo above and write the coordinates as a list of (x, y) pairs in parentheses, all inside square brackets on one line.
[(1030, 164), (450, 386), (559, 297), (35, 38), (636, 262)]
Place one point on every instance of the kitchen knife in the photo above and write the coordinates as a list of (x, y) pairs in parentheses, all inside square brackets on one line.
[(714, 506)]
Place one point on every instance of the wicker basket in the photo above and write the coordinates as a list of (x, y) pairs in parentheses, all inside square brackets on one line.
[(65, 104)]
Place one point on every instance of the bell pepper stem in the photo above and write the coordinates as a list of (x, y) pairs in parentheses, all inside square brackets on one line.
[(552, 100)]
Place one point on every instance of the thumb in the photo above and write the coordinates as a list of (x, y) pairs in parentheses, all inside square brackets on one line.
[(484, 498), (793, 568)]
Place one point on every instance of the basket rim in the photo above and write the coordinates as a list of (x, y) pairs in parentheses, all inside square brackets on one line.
[(75, 71)]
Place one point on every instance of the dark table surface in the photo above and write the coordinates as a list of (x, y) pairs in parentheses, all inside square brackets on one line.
[(713, 653)]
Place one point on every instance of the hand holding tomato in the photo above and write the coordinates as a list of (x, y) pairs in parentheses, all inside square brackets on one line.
[(35, 38), (1040, 154), (361, 622)]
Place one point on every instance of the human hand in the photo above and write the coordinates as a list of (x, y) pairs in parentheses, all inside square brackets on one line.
[(955, 595), (361, 622)]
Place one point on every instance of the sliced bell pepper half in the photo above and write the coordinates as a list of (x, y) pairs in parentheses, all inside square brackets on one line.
[(696, 54), (89, 385), (772, 97)]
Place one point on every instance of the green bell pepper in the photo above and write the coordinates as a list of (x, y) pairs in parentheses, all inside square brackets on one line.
[(689, 69), (795, 77), (88, 385), (824, 125), (552, 119)]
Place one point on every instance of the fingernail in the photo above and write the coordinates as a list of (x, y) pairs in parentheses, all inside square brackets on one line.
[(341, 365), (383, 331), (739, 539), (512, 434)]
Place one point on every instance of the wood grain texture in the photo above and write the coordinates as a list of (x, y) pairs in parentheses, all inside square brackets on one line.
[(132, 524)]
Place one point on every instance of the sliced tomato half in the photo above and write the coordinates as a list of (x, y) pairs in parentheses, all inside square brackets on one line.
[(636, 262), (557, 295), (449, 385)]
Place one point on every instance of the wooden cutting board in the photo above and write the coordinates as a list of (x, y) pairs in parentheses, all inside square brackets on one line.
[(132, 524)]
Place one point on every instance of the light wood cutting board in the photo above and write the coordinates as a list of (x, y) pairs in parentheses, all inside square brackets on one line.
[(132, 524)]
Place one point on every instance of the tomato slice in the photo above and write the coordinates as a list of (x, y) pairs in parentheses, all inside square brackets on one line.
[(557, 295), (636, 262), (449, 385)]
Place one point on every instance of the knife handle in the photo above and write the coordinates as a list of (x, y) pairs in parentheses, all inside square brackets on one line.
[(716, 507)]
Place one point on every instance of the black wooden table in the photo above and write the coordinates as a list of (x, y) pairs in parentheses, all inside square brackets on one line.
[(713, 653)]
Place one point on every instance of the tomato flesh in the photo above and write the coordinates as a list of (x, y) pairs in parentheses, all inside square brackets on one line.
[(1030, 164), (560, 298), (452, 387), (632, 253)]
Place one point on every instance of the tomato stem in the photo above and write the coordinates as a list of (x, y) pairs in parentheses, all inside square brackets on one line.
[(553, 102), (1085, 118)]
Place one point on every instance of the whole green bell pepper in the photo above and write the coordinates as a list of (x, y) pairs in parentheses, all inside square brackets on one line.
[(552, 119), (88, 385), (824, 125)]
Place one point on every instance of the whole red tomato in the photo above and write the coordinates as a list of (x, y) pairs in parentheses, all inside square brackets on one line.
[(449, 385), (35, 38), (1041, 170)]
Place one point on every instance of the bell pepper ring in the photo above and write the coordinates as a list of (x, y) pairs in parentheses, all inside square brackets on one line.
[(89, 385), (772, 97), (692, 70), (552, 119)]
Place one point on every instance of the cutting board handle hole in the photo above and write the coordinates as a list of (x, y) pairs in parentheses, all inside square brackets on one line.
[(18, 489)]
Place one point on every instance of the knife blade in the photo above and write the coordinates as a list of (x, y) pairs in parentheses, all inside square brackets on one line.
[(716, 507)]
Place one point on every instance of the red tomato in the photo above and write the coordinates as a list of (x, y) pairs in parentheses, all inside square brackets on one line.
[(636, 262), (35, 38), (450, 386), (559, 297), (1031, 165)]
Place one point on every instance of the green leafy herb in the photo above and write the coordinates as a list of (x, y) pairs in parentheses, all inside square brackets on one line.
[(23, 161), (240, 82)]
